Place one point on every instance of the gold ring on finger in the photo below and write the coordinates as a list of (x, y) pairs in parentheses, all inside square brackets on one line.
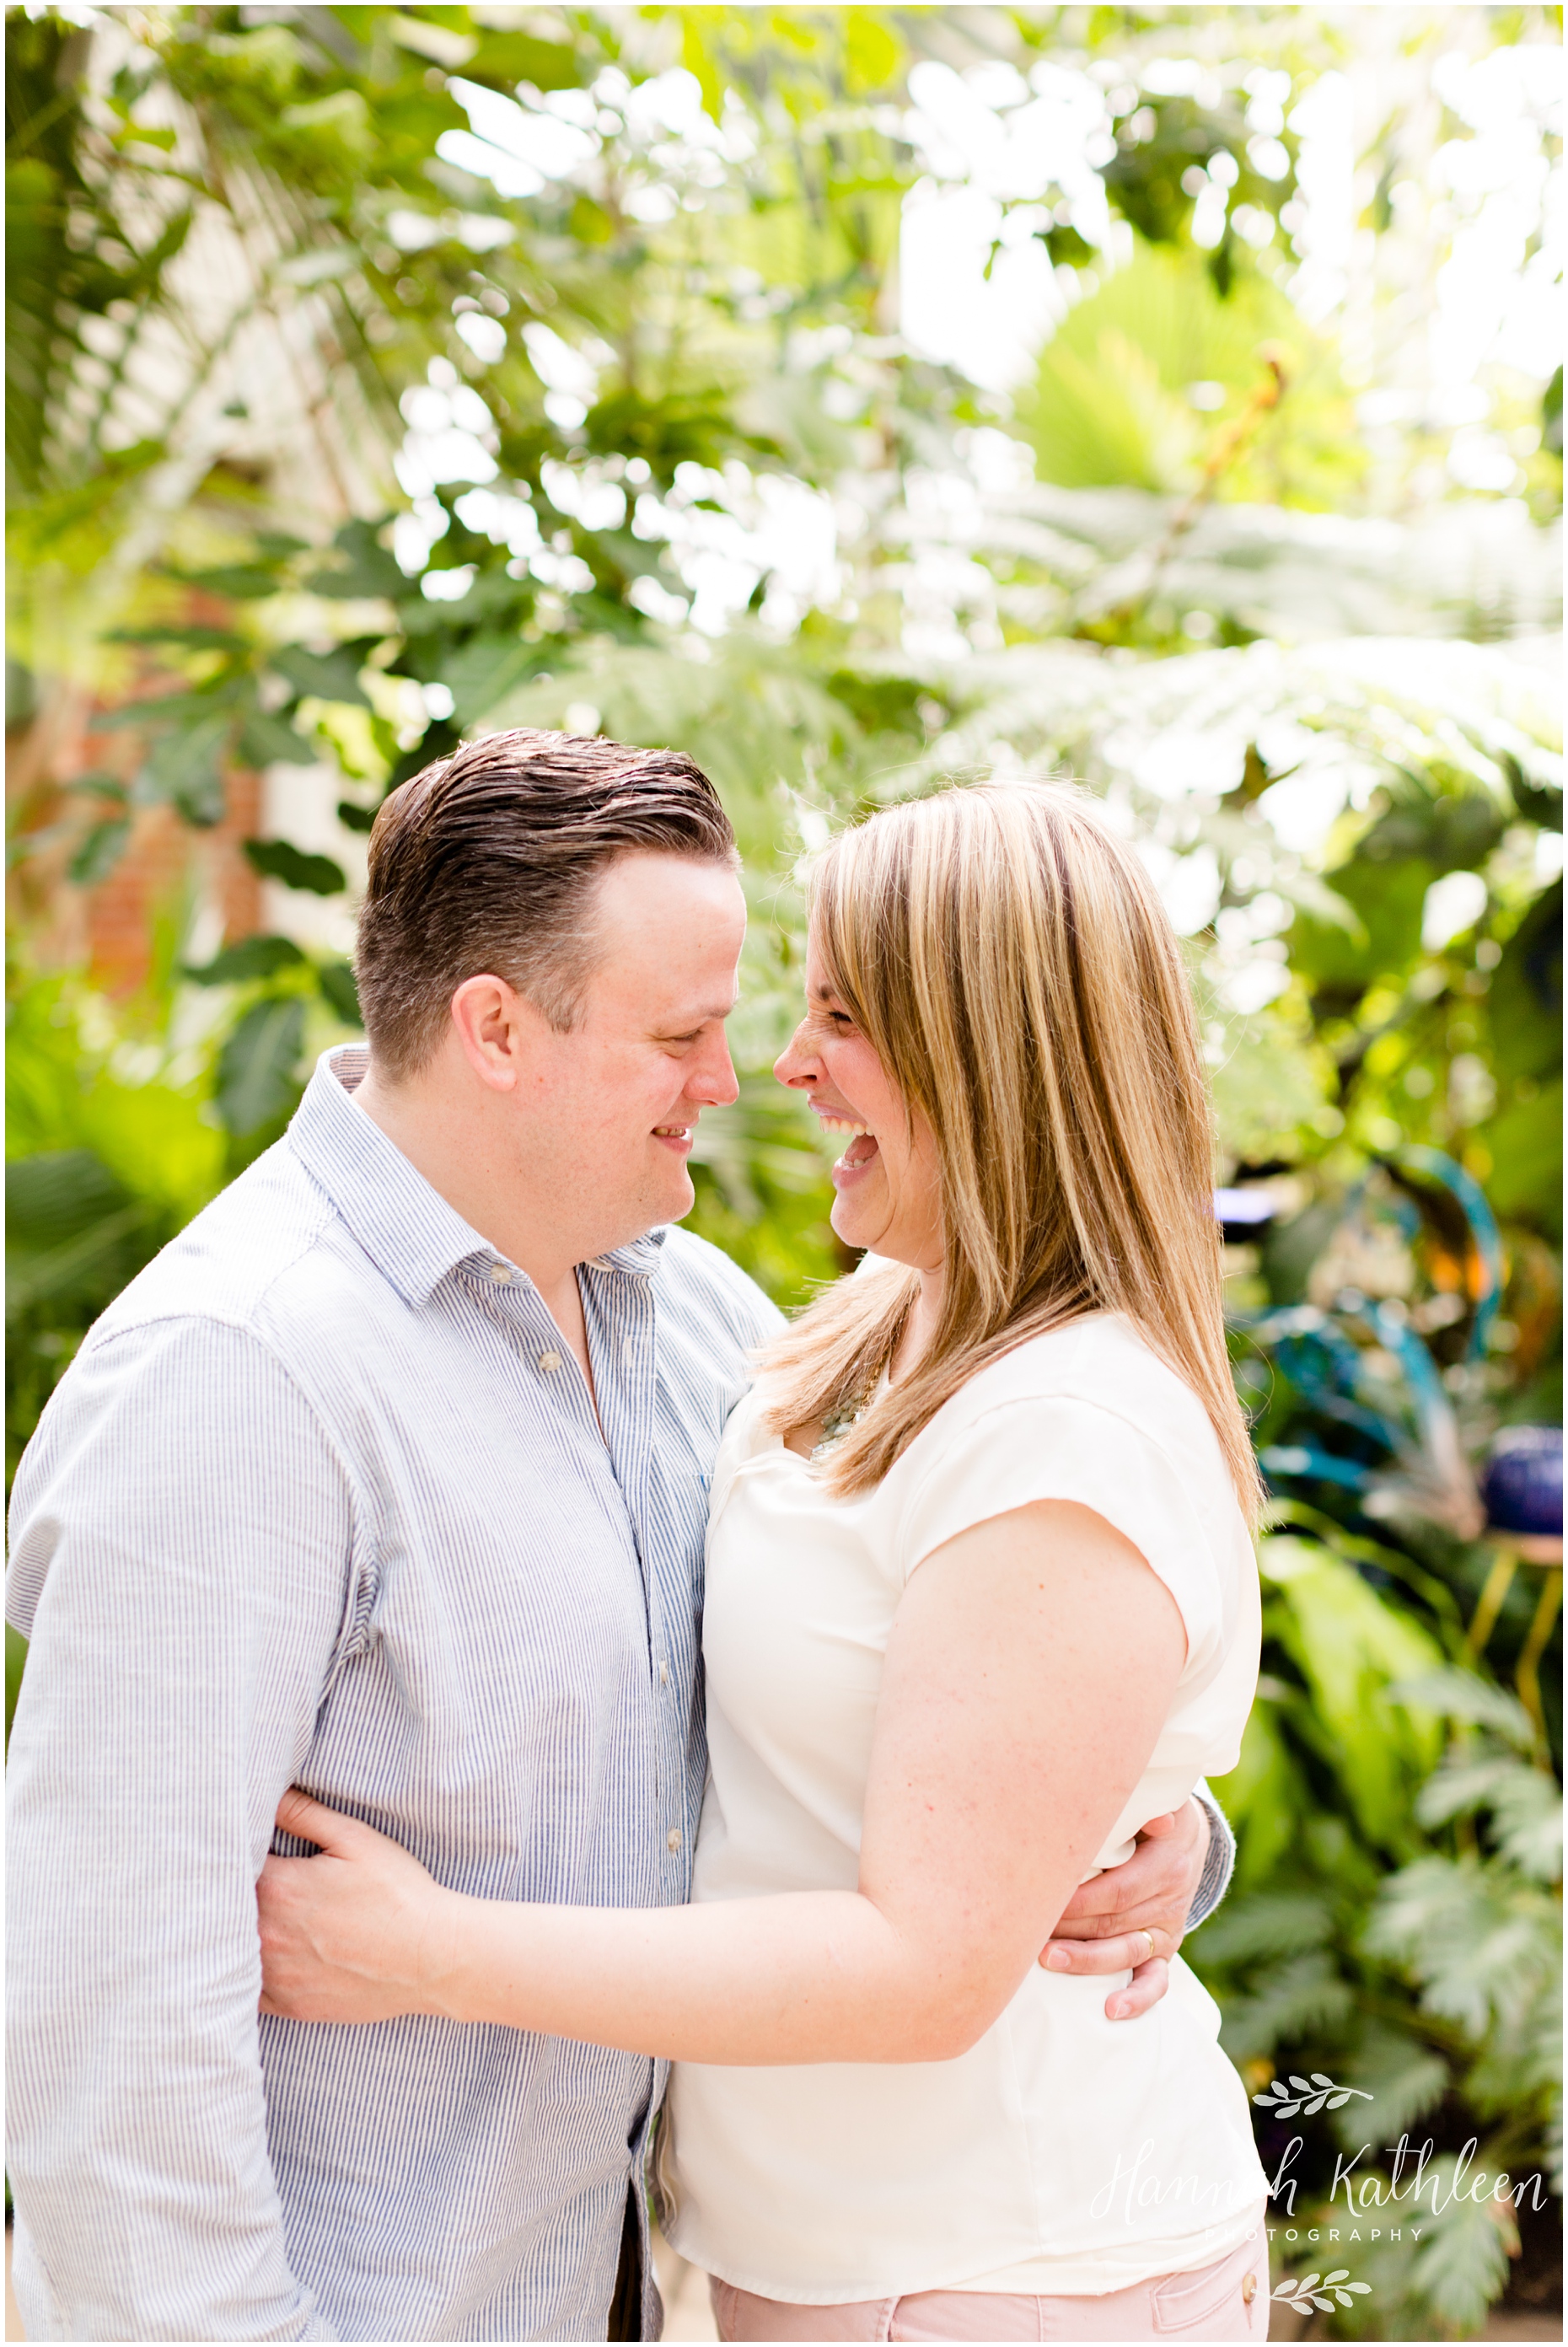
[(1149, 1937)]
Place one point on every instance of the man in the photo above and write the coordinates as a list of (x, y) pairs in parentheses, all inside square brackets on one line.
[(388, 1477)]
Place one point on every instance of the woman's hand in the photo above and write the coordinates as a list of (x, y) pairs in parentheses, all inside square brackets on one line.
[(347, 1936)]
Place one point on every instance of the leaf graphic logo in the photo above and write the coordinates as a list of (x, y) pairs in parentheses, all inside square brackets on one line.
[(1321, 2292), (1308, 2096)]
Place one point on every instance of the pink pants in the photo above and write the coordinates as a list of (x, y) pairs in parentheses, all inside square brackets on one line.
[(1228, 2299)]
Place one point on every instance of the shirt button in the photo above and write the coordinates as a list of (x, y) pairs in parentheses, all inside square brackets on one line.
[(500, 1274), (663, 1674), (549, 1361), (672, 1839)]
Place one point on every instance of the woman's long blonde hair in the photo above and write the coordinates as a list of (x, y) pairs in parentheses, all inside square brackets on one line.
[(1008, 959)]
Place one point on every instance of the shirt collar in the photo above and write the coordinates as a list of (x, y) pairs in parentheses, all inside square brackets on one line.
[(640, 1255), (404, 1225)]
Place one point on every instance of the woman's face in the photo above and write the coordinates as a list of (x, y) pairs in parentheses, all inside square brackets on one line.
[(889, 1193)]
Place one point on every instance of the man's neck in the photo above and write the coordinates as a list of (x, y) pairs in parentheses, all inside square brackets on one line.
[(458, 1163)]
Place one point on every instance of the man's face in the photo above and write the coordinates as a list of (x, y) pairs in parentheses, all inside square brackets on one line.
[(608, 1109)]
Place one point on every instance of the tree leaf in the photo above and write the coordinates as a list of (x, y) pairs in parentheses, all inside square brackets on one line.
[(485, 670), (242, 582), (504, 59), (269, 740), (185, 767), (1465, 1695), (100, 850), (368, 569), (1267, 1923), (335, 979), (250, 957), (277, 859), (256, 1078), (329, 676), (57, 1196)]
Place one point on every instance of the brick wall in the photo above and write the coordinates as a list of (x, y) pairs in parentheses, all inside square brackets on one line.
[(166, 865), (164, 859)]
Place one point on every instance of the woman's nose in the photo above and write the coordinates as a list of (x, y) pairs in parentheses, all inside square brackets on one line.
[(795, 1064)]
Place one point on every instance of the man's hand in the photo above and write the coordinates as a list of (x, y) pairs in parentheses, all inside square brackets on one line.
[(1131, 1917)]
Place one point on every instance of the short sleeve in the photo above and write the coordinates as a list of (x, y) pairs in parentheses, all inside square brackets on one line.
[(1060, 1448)]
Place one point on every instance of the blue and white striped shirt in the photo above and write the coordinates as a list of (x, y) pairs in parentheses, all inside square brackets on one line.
[(324, 1499)]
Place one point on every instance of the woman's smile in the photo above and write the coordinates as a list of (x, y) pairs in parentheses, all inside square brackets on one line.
[(863, 1150), (886, 1183)]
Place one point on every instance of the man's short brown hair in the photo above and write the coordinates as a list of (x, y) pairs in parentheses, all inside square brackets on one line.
[(484, 864)]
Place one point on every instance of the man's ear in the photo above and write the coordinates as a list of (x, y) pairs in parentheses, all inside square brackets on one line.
[(500, 1032)]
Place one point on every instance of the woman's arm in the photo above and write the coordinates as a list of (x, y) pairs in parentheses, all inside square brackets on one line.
[(1030, 1667)]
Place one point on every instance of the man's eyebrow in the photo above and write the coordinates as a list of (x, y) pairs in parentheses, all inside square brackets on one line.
[(682, 1022)]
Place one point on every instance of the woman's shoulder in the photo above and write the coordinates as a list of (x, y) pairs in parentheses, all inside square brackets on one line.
[(1090, 1414), (1091, 1405), (1099, 1360)]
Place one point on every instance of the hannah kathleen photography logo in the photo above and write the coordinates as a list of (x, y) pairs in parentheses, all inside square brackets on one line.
[(1417, 2182)]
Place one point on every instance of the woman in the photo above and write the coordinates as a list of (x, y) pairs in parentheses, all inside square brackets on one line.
[(980, 1601)]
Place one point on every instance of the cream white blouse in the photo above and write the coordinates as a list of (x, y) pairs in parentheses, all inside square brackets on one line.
[(1064, 2153)]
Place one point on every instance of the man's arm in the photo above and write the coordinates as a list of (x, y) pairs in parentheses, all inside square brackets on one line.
[(1219, 1860), (982, 1810), (181, 1542)]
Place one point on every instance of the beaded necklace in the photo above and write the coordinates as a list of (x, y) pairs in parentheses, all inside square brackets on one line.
[(849, 1412)]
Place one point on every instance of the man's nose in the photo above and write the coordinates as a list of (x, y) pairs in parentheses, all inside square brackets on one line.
[(795, 1064), (714, 1082)]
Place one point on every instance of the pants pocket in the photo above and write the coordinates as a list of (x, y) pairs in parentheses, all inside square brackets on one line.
[(1228, 2299)]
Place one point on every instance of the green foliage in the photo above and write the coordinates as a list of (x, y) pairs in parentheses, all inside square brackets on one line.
[(1113, 401), (76, 1079), (1397, 1917), (277, 859), (256, 1068), (72, 1231), (104, 1167), (123, 1121), (591, 388), (1347, 1645), (1168, 139), (251, 957)]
